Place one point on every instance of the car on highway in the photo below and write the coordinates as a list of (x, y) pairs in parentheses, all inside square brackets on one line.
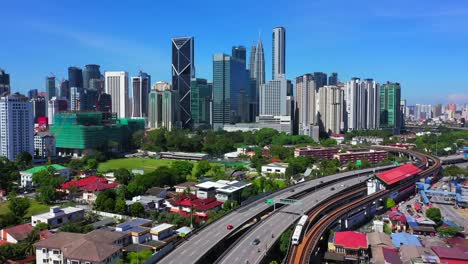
[(229, 227), (332, 188), (256, 242)]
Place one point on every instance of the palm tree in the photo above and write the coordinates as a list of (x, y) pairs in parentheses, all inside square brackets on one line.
[(29, 241)]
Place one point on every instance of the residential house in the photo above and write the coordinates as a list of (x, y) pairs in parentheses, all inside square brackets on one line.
[(149, 202), (138, 229), (57, 216), (347, 246), (27, 175), (15, 234), (89, 187), (162, 231), (275, 168), (181, 187)]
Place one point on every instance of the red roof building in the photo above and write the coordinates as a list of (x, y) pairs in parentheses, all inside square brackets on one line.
[(395, 220), (184, 203), (83, 182), (398, 174), (15, 234), (350, 244), (451, 255), (90, 186)]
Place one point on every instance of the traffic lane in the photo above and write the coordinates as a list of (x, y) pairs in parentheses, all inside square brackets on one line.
[(278, 223), (175, 256)]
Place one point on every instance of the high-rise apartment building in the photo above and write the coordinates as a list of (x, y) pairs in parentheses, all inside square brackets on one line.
[(16, 126), (330, 111), (202, 92), (156, 107), (273, 97), (230, 81), (76, 99), (390, 111), (4, 82), (279, 52), (306, 101), (75, 77), (141, 86), (370, 88), (116, 84), (91, 71), (183, 70), (361, 100)]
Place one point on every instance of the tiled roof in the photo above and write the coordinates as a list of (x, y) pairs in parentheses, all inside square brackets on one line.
[(397, 174), (350, 239), (391, 256), (19, 232), (379, 239), (83, 182), (198, 204), (450, 253)]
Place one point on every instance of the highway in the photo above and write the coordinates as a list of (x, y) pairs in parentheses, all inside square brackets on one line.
[(199, 244), (271, 228)]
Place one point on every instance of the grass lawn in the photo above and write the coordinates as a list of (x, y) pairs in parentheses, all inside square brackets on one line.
[(35, 208), (146, 164)]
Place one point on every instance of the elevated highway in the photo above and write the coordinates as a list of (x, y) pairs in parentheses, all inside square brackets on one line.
[(201, 243)]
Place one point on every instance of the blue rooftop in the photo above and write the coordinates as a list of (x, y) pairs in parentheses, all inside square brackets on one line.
[(133, 223), (404, 239)]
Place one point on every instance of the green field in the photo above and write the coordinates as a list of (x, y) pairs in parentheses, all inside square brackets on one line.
[(35, 208), (146, 164)]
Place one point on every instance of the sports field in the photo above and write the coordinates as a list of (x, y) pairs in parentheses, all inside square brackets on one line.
[(147, 164)]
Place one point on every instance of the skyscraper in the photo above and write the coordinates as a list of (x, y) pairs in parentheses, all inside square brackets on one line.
[(104, 103), (97, 84), (240, 53), (229, 81), (279, 52), (257, 77), (333, 79), (32, 93), (201, 103), (116, 84), (51, 90), (76, 98), (273, 97), (141, 88), (330, 108), (183, 70), (320, 79), (91, 71), (75, 77), (52, 109), (4, 82), (17, 127), (371, 89), (65, 90), (352, 98), (259, 65), (306, 100), (390, 112), (160, 115), (38, 107)]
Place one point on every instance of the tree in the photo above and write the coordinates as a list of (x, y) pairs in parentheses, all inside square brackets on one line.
[(138, 257), (449, 231), (182, 168), (387, 230), (248, 192), (24, 160), (120, 207), (435, 215), (285, 239), (91, 164), (28, 242), (19, 207), (9, 173), (389, 203), (329, 142), (123, 176), (202, 168), (105, 200), (48, 182), (138, 138), (137, 210), (41, 226), (265, 136)]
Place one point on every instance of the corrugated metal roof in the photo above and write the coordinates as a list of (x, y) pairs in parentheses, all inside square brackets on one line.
[(397, 174)]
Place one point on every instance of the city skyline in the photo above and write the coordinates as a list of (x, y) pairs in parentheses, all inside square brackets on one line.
[(438, 27)]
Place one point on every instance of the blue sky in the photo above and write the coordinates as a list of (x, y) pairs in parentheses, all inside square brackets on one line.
[(423, 44)]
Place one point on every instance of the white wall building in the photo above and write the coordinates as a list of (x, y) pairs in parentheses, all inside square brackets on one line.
[(306, 100), (57, 216), (44, 145), (331, 108), (116, 84), (16, 126), (275, 168), (52, 109), (273, 97)]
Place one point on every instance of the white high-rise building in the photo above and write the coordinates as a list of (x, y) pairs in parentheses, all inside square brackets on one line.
[(16, 126), (273, 97), (52, 109), (331, 108), (279, 52), (371, 88), (306, 100), (351, 93), (116, 84), (75, 99)]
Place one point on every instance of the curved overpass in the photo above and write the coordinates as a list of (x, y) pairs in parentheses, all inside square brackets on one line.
[(199, 244), (302, 252)]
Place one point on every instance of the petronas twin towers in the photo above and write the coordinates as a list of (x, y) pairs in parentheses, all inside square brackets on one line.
[(257, 75)]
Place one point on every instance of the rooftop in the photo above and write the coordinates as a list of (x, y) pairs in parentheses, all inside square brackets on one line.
[(161, 228), (400, 239), (379, 239), (133, 223), (198, 204), (350, 239), (19, 232), (186, 184), (450, 253), (56, 211), (277, 165), (397, 174), (45, 167), (83, 182)]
